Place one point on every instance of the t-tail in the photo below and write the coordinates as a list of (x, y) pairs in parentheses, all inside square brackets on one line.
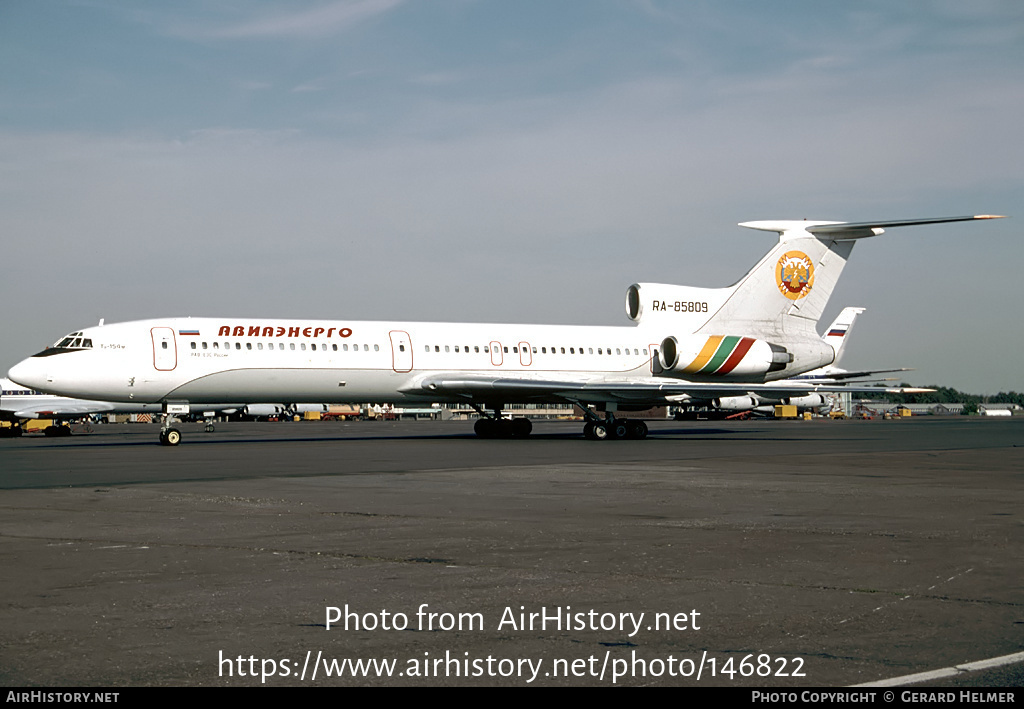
[(763, 326)]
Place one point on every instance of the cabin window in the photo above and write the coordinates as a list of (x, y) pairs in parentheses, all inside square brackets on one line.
[(238, 345), (426, 348), (303, 346), (446, 348), (216, 345), (204, 345), (401, 348), (376, 348), (437, 348), (291, 345), (164, 345), (334, 347), (193, 343), (259, 345)]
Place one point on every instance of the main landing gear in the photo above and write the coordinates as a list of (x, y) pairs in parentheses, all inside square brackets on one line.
[(598, 429), (595, 429), (617, 428), (497, 427)]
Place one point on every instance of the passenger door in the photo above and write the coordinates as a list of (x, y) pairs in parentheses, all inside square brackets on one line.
[(165, 349)]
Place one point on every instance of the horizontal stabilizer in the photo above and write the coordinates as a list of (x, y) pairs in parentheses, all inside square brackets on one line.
[(850, 230), (839, 229)]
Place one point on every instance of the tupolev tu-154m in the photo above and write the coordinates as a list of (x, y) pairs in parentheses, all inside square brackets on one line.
[(685, 342)]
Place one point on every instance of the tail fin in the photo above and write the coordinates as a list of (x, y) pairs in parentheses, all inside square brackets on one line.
[(783, 295), (835, 335), (787, 291)]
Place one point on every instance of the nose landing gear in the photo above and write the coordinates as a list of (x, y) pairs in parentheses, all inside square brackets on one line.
[(170, 437)]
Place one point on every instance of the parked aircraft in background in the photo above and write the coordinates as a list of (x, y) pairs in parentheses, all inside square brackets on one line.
[(19, 404), (836, 337), (685, 342)]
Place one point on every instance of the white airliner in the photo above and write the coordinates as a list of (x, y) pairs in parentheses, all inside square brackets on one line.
[(685, 342)]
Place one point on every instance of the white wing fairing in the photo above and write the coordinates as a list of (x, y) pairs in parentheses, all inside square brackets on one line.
[(685, 343)]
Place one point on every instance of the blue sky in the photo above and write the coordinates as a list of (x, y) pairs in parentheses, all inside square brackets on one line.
[(509, 161)]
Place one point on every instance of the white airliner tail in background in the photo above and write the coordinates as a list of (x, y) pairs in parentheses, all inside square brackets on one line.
[(836, 336), (751, 338)]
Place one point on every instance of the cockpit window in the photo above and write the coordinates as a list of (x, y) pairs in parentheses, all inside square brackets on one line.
[(74, 340), (71, 342)]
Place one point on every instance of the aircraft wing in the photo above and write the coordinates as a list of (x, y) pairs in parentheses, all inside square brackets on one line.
[(651, 391)]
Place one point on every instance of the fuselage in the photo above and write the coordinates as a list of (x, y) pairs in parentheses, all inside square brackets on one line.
[(204, 360)]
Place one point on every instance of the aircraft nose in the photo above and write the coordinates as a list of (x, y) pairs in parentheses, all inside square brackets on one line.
[(30, 373)]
